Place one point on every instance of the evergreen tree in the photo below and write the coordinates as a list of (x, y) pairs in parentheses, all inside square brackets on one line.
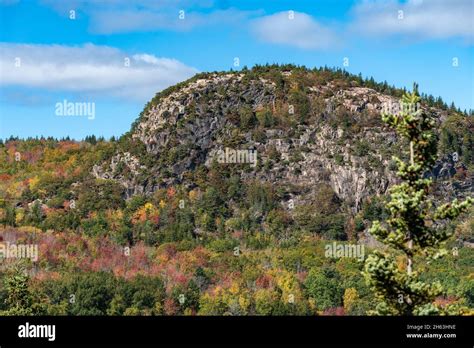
[(91, 139), (35, 216), (414, 226), (10, 216), (20, 299)]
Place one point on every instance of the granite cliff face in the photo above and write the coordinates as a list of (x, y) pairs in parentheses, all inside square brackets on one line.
[(304, 134)]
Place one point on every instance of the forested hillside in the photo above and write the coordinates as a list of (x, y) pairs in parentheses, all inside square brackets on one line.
[(223, 199)]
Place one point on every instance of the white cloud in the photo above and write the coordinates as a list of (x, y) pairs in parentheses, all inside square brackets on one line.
[(420, 19), (294, 29), (97, 70), (125, 16), (112, 21)]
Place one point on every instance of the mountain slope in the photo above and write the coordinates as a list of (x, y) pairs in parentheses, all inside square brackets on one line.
[(307, 127)]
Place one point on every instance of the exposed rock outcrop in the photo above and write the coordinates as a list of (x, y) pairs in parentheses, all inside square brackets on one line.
[(186, 129)]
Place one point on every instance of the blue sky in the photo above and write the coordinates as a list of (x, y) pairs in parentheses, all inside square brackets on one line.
[(118, 53)]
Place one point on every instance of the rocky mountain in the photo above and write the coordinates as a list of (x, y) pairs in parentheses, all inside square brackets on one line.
[(305, 127)]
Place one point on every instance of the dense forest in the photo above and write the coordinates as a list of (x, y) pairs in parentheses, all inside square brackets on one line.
[(207, 239)]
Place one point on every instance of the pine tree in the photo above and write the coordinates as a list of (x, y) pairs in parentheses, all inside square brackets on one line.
[(20, 300), (10, 216), (35, 216), (414, 226)]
